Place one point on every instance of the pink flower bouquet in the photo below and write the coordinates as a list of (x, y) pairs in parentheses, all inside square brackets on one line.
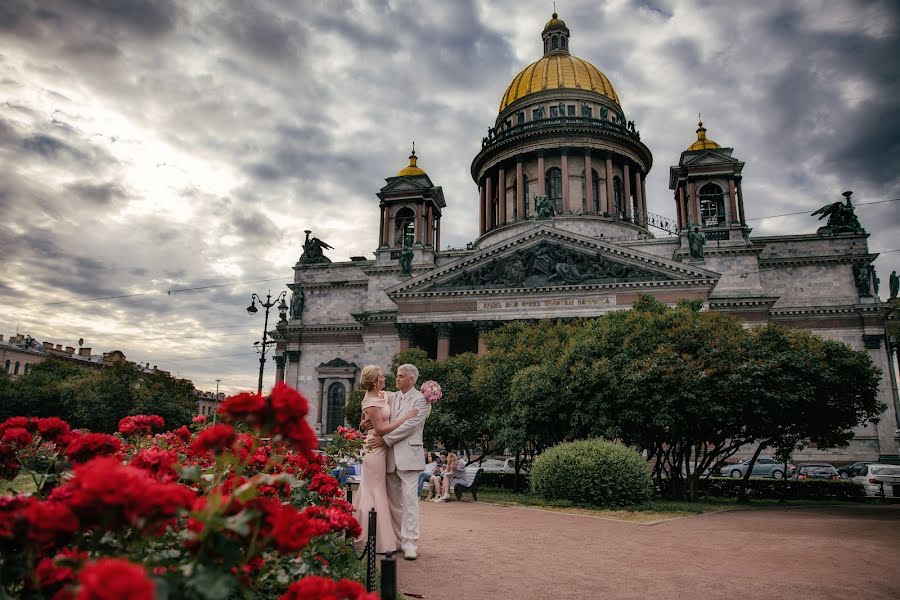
[(432, 391)]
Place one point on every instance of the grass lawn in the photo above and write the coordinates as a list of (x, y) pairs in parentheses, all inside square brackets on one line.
[(22, 484), (648, 513)]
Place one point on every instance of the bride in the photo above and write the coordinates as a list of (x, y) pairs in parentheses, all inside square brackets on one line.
[(372, 493)]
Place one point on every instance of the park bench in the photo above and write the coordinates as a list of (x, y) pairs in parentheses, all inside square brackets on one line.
[(473, 480)]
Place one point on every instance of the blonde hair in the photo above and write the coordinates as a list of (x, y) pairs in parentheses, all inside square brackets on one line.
[(452, 460), (369, 377)]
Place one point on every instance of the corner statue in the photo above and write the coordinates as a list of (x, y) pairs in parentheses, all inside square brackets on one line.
[(841, 218), (313, 250), (406, 258), (543, 207), (696, 241), (894, 284)]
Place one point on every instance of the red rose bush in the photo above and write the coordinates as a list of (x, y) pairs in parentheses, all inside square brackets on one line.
[(243, 508)]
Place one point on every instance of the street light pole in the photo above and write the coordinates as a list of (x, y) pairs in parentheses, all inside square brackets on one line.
[(269, 303), (216, 411)]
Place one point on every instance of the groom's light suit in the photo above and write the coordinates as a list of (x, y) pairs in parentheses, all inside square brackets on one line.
[(404, 461)]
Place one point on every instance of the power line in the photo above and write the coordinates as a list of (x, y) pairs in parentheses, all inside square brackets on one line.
[(806, 212)]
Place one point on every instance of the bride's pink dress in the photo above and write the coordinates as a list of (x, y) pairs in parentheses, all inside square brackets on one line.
[(372, 491)]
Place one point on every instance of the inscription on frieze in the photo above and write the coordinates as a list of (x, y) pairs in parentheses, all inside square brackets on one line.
[(539, 305)]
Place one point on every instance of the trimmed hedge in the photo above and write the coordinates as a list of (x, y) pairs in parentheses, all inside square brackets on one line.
[(812, 489), (594, 472)]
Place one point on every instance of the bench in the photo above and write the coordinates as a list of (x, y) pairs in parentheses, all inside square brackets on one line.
[(470, 486)]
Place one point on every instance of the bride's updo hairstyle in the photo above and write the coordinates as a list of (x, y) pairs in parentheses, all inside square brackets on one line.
[(369, 377)]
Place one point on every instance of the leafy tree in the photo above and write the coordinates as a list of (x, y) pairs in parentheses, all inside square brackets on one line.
[(39, 392)]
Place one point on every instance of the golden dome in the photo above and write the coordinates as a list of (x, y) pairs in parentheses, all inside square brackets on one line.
[(411, 170), (702, 143), (555, 21), (558, 71)]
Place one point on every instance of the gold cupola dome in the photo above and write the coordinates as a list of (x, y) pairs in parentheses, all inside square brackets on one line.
[(557, 69), (411, 170), (702, 142)]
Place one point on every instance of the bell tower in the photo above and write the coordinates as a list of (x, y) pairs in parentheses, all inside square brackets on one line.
[(411, 207), (708, 194)]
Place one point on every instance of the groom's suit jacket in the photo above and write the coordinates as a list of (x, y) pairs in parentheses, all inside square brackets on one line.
[(405, 442)]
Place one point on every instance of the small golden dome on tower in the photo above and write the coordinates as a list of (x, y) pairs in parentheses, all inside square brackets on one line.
[(555, 21), (411, 170), (702, 142)]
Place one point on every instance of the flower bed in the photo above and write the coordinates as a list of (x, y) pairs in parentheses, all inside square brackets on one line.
[(241, 509)]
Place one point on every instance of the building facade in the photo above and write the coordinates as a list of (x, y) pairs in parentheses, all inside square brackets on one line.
[(564, 231)]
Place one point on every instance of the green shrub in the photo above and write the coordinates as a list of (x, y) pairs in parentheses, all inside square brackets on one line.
[(594, 472), (813, 489)]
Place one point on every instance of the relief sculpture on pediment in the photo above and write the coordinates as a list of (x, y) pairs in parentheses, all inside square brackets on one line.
[(548, 264)]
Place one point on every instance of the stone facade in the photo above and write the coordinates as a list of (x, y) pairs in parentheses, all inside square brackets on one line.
[(592, 254)]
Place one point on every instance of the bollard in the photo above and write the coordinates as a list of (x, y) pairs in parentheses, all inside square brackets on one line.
[(370, 548), (389, 577)]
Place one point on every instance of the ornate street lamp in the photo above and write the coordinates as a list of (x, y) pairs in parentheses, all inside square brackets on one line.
[(263, 347)]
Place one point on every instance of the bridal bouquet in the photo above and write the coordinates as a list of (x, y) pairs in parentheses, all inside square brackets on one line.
[(432, 391)]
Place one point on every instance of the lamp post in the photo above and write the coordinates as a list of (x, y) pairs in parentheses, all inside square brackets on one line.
[(263, 347), (216, 410)]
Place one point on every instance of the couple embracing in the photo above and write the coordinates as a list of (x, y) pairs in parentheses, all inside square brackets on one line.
[(390, 469)]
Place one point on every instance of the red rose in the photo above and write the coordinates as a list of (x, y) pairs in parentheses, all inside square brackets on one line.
[(183, 434), (22, 422), (91, 445), (52, 428), (50, 522), (291, 529), (115, 579), (159, 463), (216, 438), (245, 406), (324, 484), (12, 509), (17, 437), (199, 419), (315, 587)]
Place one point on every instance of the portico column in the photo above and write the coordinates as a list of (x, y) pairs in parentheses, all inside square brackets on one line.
[(679, 206), (644, 198), (482, 327), (279, 369), (489, 204), (588, 200), (420, 223), (695, 203), (542, 184), (319, 420), (406, 332), (386, 226), (740, 199), (429, 232), (520, 188), (501, 195), (437, 233), (564, 159), (638, 198), (732, 201), (607, 204), (626, 176), (482, 210), (443, 331)]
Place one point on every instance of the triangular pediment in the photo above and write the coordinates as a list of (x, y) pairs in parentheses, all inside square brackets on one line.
[(717, 156), (546, 258), (420, 183)]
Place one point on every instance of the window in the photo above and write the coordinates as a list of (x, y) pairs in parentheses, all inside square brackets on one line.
[(405, 227), (337, 399), (712, 205), (562, 42), (27, 368), (554, 188), (570, 110), (520, 117), (16, 372), (595, 191), (525, 214), (554, 111), (618, 199), (554, 43), (7, 366), (546, 45)]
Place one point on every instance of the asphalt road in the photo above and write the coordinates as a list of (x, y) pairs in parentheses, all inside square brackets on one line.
[(474, 550)]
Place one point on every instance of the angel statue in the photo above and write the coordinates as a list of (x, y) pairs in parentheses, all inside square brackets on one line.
[(313, 250), (841, 218)]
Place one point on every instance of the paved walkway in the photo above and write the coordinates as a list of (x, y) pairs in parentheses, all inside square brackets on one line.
[(474, 550)]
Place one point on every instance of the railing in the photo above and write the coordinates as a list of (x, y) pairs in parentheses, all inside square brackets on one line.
[(494, 136), (388, 564), (664, 223)]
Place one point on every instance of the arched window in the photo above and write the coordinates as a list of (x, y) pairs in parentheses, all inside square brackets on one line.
[(16, 372), (712, 205), (405, 227), (526, 196), (554, 188), (554, 44), (562, 42), (27, 368), (618, 198), (337, 400), (7, 366), (592, 204), (546, 45)]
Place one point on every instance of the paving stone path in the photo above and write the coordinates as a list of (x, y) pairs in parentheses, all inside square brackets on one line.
[(475, 550)]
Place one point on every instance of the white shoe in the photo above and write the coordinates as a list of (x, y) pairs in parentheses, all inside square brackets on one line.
[(409, 554), (445, 497), (438, 499)]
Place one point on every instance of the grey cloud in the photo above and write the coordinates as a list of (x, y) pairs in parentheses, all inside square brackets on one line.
[(265, 34), (101, 194), (140, 16)]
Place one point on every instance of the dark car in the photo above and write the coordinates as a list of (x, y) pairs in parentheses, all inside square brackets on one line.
[(848, 471), (807, 471)]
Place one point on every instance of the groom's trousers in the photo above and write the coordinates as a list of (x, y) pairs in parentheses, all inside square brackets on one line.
[(403, 496)]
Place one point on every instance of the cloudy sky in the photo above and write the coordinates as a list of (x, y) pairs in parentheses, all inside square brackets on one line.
[(151, 146)]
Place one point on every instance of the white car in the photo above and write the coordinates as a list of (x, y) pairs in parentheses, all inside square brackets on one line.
[(878, 479), (501, 465)]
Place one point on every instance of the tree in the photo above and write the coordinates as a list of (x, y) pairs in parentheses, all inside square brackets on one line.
[(40, 391)]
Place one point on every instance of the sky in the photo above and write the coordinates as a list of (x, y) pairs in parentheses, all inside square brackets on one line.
[(148, 147)]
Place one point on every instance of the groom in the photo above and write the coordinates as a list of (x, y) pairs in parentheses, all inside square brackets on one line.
[(405, 459)]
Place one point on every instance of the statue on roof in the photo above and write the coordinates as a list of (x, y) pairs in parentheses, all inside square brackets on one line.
[(894, 282), (406, 258), (543, 207), (313, 250), (696, 241), (841, 217)]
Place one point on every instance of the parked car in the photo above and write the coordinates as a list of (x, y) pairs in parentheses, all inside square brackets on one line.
[(764, 467), (815, 471), (848, 471), (878, 479)]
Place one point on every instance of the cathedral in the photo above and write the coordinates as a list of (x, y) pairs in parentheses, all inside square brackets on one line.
[(563, 232)]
